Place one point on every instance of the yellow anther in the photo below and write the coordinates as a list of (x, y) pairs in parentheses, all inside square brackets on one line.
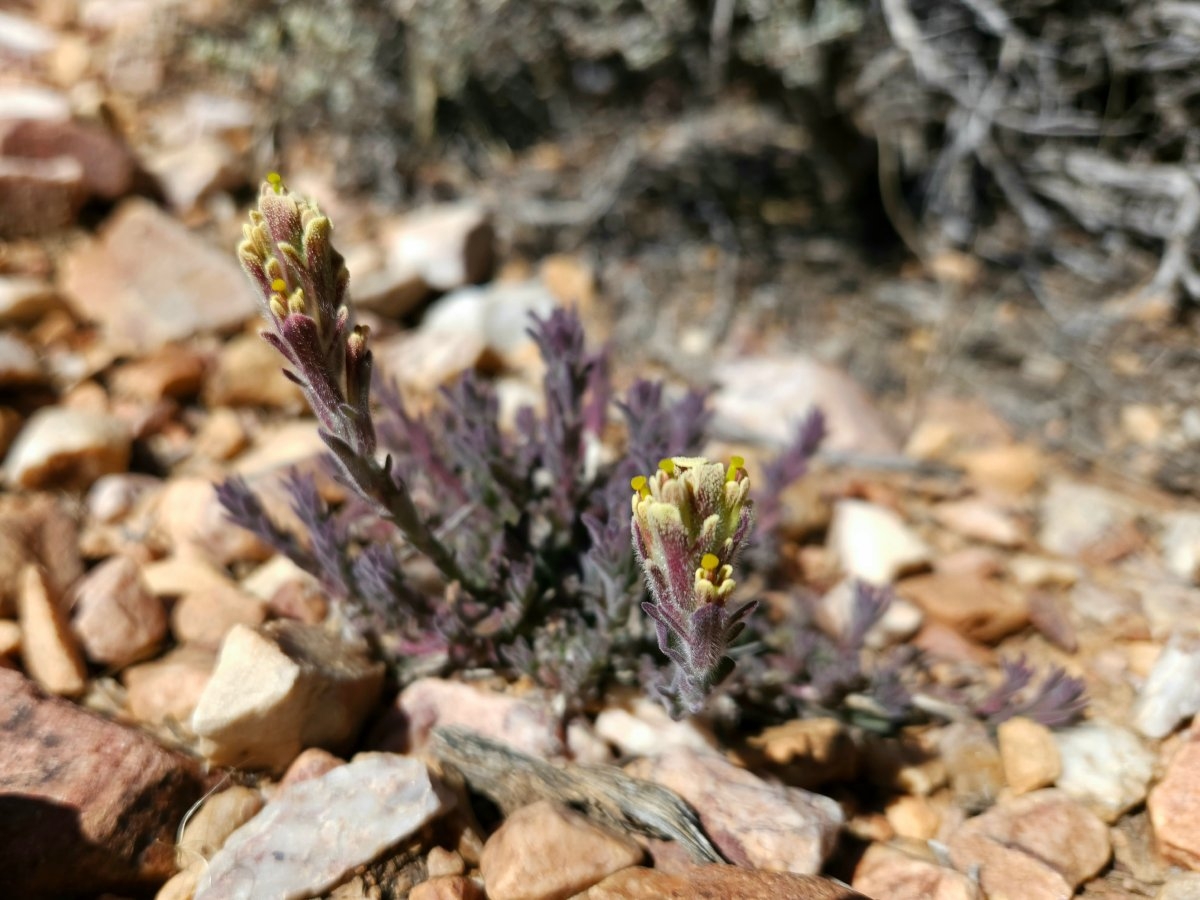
[(279, 286), (736, 463), (709, 562), (640, 484), (667, 465), (275, 180)]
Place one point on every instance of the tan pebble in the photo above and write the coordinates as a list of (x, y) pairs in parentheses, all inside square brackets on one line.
[(914, 817), (48, 647), (211, 825), (1029, 753)]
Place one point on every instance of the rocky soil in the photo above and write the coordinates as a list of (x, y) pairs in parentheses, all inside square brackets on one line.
[(180, 721)]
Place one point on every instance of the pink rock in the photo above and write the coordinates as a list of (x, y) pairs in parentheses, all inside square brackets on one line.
[(118, 620), (717, 883), (1174, 807), (86, 805), (763, 398), (1060, 839), (524, 725), (976, 518), (550, 852), (107, 165), (311, 763), (144, 300), (167, 690), (192, 518), (889, 872), (753, 822), (977, 608)]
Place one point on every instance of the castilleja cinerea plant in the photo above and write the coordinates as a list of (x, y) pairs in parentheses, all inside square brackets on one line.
[(690, 521)]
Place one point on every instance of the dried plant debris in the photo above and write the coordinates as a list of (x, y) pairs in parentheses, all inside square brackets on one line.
[(513, 780)]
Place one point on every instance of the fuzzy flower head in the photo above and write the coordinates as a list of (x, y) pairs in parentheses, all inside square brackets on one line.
[(301, 279), (690, 519)]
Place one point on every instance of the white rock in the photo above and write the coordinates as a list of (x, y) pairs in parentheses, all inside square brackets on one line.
[(1074, 516), (316, 832), (19, 365), (1105, 767), (1172, 692), (22, 37), (29, 102), (873, 543), (67, 448), (1180, 541), (448, 245), (762, 399), (644, 728), (279, 689)]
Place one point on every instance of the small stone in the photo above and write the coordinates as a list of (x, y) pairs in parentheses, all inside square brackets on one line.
[(207, 830), (1011, 468), (1040, 572), (48, 648), (524, 725), (145, 300), (571, 280), (222, 436), (1005, 872), (311, 763), (312, 836), (19, 102), (193, 519), (762, 399), (173, 372), (716, 883), (180, 886), (1172, 692), (1105, 767), (204, 615), (1173, 809), (545, 851), (873, 543), (1029, 754), (280, 689), (977, 608), (447, 887), (1180, 886), (642, 727), (108, 167), (193, 171), (980, 520), (1142, 424), (39, 196), (889, 872), (167, 690), (1180, 541), (67, 449), (753, 822), (86, 805), (1076, 517), (249, 372), (1047, 826), (915, 818), (24, 300), (448, 246), (113, 497), (19, 364), (972, 762), (118, 620), (441, 862), (24, 38)]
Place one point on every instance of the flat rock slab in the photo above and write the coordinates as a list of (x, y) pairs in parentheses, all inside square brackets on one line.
[(148, 280), (318, 831), (86, 805), (717, 883)]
